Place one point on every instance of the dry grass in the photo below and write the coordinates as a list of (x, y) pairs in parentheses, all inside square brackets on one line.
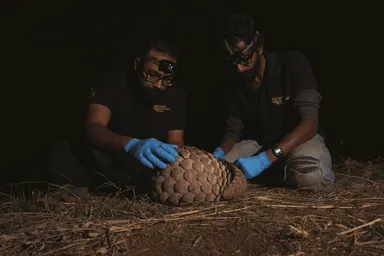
[(269, 221)]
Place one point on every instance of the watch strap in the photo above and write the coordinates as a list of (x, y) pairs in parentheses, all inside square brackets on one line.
[(278, 152)]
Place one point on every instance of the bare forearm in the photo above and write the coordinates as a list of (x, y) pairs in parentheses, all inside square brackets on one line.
[(302, 133), (307, 103), (233, 132), (176, 137), (228, 144), (176, 142), (103, 138)]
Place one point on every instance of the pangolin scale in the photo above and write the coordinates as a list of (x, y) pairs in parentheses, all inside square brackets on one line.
[(197, 176)]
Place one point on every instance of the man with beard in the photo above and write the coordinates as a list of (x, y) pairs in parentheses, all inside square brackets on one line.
[(135, 120), (272, 130), (144, 119)]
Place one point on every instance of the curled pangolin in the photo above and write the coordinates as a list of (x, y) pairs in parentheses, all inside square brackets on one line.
[(197, 176)]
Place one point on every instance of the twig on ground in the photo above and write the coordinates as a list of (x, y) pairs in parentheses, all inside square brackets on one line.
[(361, 226), (263, 219), (357, 177), (53, 252)]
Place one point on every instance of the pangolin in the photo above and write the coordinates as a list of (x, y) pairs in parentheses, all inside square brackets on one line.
[(197, 176)]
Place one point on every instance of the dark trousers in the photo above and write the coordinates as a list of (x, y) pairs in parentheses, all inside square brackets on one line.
[(82, 165)]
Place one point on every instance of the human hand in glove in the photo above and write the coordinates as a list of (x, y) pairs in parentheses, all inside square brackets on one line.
[(254, 165), (219, 153), (151, 152)]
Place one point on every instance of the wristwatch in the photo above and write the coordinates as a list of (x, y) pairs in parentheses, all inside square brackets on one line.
[(278, 152)]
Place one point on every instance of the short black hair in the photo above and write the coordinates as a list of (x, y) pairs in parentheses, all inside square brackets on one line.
[(241, 26), (164, 43)]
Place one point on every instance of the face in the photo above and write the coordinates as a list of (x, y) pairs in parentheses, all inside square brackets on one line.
[(248, 60), (153, 79)]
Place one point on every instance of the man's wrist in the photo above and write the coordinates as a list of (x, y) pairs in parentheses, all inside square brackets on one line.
[(130, 144), (278, 151), (265, 160), (273, 159)]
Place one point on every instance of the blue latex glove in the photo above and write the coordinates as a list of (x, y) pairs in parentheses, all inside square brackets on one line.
[(151, 152), (254, 165), (219, 153)]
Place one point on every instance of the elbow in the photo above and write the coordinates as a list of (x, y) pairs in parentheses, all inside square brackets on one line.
[(311, 126), (309, 118), (91, 131)]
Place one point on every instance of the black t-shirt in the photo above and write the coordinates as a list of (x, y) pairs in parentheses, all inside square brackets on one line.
[(131, 114), (273, 111)]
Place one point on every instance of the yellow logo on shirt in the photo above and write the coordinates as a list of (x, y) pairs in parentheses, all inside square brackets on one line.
[(280, 100), (277, 100), (160, 108)]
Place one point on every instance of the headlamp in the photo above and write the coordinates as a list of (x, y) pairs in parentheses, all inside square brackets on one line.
[(243, 56)]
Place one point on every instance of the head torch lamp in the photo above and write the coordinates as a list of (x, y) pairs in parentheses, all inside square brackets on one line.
[(165, 66), (243, 56)]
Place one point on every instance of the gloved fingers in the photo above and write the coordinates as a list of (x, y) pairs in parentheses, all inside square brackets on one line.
[(154, 160), (145, 162), (170, 149), (218, 155), (219, 152), (163, 154), (170, 145)]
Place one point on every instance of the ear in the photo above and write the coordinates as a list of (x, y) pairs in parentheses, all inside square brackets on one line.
[(137, 60), (260, 50)]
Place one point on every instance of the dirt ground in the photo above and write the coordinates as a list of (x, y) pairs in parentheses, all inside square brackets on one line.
[(268, 221)]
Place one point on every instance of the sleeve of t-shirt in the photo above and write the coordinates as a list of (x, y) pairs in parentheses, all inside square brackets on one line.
[(302, 74), (178, 110), (306, 97), (103, 91)]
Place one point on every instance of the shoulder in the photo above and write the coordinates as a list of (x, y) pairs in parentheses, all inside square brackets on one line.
[(294, 61), (293, 54), (299, 66), (295, 58)]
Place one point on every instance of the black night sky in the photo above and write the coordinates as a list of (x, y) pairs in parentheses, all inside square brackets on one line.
[(54, 53)]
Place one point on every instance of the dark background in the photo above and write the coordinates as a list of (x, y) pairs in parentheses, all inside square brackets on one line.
[(54, 52)]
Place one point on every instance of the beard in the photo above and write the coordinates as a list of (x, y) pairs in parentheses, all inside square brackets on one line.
[(152, 95), (248, 77)]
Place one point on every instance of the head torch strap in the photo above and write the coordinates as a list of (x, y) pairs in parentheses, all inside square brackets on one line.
[(255, 43), (228, 47)]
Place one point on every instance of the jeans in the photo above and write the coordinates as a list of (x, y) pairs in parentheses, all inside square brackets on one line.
[(307, 166)]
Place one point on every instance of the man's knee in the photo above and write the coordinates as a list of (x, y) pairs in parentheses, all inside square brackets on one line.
[(310, 166), (244, 148), (118, 167), (308, 172), (64, 166), (104, 164), (100, 159)]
